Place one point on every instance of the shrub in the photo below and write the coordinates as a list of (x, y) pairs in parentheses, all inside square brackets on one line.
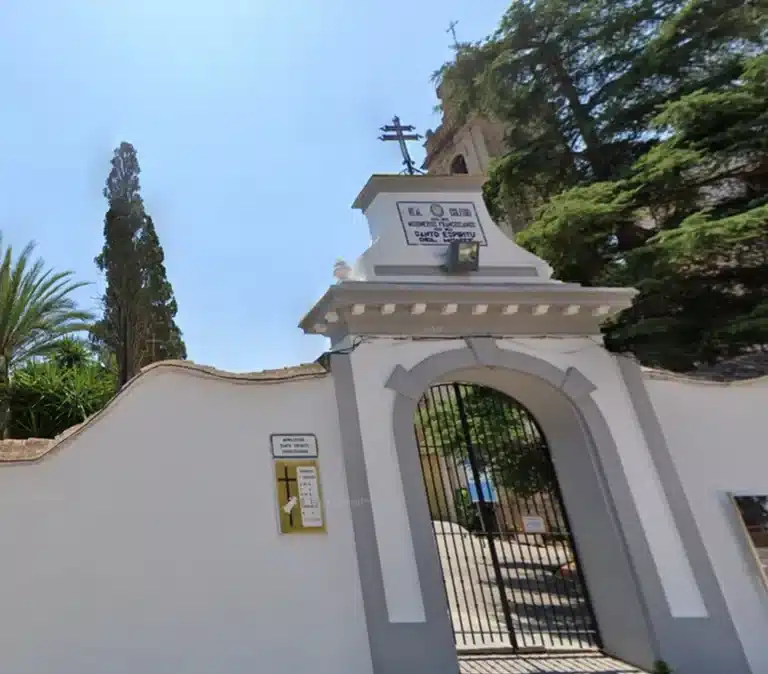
[(46, 398), (466, 511)]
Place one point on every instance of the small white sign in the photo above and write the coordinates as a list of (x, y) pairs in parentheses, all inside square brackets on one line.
[(437, 223), (309, 496), (534, 524), (294, 446)]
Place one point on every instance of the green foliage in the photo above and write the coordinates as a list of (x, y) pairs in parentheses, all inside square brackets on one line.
[(70, 353), (467, 514), (138, 326), (507, 443), (47, 398), (168, 343), (36, 310), (638, 155), (661, 667)]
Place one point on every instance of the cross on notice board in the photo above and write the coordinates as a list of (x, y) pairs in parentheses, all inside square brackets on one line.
[(286, 481), (299, 501)]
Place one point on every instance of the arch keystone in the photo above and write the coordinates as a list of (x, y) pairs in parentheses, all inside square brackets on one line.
[(575, 385), (403, 382), (485, 350)]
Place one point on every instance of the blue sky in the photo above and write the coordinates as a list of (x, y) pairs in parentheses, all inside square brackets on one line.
[(255, 124)]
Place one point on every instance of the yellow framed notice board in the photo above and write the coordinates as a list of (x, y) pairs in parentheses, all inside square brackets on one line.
[(299, 497)]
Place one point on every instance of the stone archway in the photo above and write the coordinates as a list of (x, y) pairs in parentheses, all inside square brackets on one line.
[(506, 548), (583, 450)]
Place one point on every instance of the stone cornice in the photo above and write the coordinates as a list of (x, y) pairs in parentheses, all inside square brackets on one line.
[(431, 309), (414, 184)]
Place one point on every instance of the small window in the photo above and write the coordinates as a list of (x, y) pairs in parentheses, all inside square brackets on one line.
[(459, 165)]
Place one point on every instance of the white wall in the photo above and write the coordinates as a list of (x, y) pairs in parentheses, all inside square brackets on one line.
[(373, 363), (149, 543), (718, 437)]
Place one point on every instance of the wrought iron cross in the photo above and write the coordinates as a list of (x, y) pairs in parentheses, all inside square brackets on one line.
[(452, 30), (397, 132)]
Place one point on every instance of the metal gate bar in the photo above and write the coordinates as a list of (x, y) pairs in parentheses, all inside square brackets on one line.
[(450, 557), (486, 465)]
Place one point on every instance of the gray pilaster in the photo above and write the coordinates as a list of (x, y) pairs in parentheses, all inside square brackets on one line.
[(696, 645), (396, 648)]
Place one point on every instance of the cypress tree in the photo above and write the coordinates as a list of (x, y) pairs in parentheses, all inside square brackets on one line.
[(167, 343), (138, 325)]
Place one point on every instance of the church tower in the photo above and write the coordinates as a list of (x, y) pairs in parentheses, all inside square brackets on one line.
[(466, 146)]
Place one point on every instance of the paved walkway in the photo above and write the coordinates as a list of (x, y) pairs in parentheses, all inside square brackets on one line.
[(543, 664), (546, 611)]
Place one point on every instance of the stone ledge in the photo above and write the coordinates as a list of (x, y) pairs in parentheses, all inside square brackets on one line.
[(746, 369), (24, 450)]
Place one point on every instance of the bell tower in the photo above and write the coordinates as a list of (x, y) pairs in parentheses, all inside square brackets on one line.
[(466, 146), (462, 146)]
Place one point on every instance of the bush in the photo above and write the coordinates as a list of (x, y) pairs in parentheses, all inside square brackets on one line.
[(48, 398), (467, 514)]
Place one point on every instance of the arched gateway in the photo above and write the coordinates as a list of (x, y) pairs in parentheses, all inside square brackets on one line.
[(508, 556), (505, 486)]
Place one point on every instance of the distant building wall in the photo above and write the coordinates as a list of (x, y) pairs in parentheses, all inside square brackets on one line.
[(443, 478)]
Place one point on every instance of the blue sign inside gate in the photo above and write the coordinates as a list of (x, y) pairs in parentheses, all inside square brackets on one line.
[(486, 485)]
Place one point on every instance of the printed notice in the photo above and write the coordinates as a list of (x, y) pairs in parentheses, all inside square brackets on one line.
[(299, 496), (432, 223), (534, 524), (295, 446), (309, 496)]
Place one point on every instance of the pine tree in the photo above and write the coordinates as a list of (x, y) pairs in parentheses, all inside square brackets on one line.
[(637, 157), (701, 196), (138, 324), (703, 276), (557, 72)]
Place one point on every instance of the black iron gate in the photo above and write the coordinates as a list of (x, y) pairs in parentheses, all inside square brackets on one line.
[(510, 571)]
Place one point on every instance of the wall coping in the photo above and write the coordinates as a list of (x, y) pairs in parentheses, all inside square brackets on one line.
[(33, 450), (703, 380)]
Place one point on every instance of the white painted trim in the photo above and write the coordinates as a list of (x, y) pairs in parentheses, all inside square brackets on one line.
[(400, 576)]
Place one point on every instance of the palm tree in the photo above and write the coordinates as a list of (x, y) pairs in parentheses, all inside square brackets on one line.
[(71, 353), (36, 310)]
